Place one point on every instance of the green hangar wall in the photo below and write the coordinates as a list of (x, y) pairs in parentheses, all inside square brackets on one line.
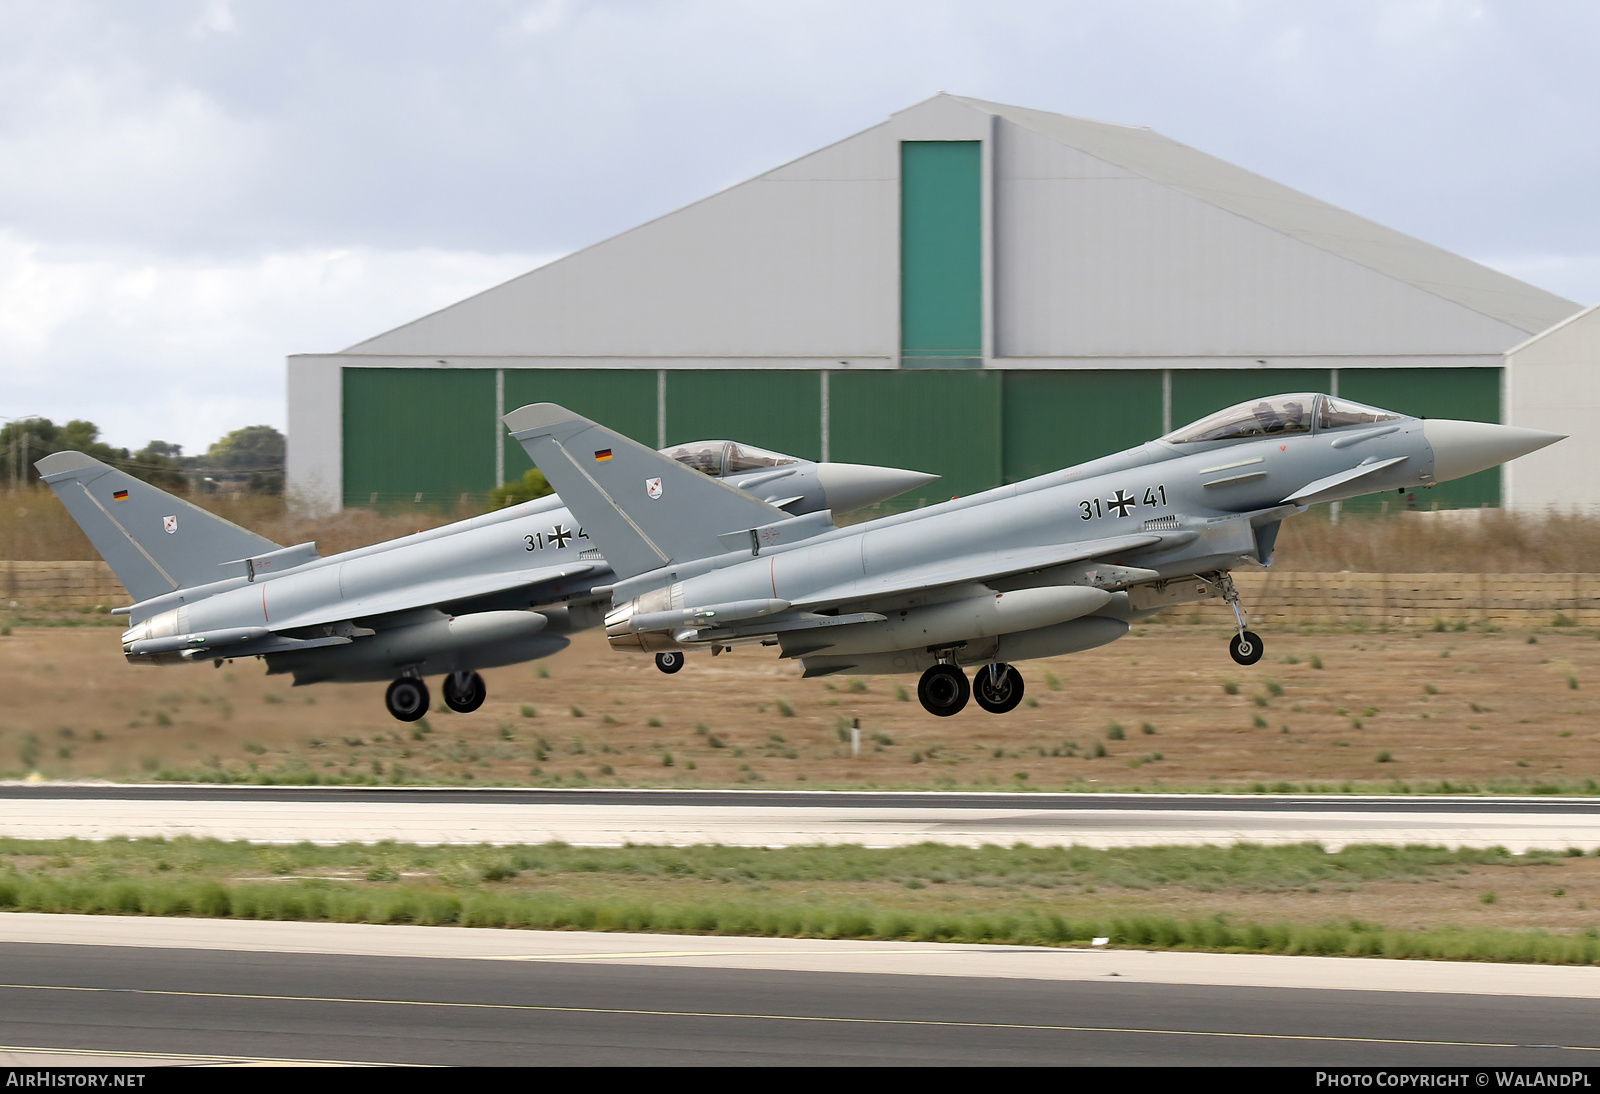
[(977, 428)]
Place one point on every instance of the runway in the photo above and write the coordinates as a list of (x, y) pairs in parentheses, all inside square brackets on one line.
[(85, 989), (783, 818)]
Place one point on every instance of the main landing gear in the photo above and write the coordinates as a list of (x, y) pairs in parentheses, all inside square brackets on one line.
[(1246, 646), (464, 692), (408, 699), (943, 689), (669, 661), (997, 688)]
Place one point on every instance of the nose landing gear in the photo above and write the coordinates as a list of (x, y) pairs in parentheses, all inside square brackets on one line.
[(1246, 647)]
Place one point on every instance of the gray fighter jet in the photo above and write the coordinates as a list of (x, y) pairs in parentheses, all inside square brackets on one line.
[(452, 600), (1053, 565)]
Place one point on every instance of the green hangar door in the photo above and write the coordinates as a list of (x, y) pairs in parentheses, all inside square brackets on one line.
[(941, 254), (418, 435)]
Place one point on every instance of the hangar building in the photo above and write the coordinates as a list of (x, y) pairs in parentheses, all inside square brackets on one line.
[(979, 290)]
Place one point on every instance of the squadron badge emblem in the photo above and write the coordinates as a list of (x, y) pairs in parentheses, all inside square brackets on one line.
[(170, 524), (652, 487)]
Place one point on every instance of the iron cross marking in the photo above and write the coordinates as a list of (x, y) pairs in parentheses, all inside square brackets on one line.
[(559, 536), (1121, 503)]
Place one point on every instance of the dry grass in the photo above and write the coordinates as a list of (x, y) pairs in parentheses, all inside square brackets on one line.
[(35, 527), (1413, 901), (1458, 541), (1472, 710)]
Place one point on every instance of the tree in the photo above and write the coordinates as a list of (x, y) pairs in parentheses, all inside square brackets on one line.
[(27, 440), (253, 448), (531, 485), (252, 456), (161, 465)]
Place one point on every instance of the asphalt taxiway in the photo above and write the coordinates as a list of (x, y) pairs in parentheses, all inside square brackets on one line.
[(87, 989), (784, 818)]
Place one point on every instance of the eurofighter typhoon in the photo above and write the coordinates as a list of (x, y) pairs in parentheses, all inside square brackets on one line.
[(1052, 565), (497, 589)]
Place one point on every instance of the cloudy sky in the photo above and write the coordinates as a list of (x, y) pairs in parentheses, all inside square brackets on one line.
[(190, 190)]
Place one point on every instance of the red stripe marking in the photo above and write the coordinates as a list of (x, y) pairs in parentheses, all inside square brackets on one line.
[(774, 564), (264, 617)]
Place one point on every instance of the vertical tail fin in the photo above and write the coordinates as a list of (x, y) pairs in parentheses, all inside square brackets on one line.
[(644, 509), (153, 541)]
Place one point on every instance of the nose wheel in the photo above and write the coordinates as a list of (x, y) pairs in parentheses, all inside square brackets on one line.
[(670, 661), (943, 690), (997, 688), (407, 699), (1246, 646), (464, 692)]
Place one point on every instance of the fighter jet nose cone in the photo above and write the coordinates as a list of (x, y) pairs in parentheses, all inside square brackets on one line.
[(848, 486), (1460, 448)]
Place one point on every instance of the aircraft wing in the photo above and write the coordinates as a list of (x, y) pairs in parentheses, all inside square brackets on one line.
[(427, 594), (978, 567)]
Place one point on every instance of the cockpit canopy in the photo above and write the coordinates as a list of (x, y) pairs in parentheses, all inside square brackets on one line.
[(1279, 414), (718, 458)]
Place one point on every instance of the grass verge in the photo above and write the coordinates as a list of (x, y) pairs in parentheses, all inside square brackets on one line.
[(315, 902), (1019, 895)]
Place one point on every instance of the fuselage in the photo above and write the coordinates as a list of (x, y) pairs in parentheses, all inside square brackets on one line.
[(1166, 509), (387, 587)]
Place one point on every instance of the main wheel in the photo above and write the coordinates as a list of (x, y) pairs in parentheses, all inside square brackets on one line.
[(1246, 648), (670, 661), (464, 692), (997, 697), (943, 690), (407, 699)]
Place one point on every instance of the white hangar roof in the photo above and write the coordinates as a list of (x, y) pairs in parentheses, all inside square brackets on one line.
[(1104, 245)]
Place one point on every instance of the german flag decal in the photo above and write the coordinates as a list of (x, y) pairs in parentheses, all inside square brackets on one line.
[(603, 454), (120, 495)]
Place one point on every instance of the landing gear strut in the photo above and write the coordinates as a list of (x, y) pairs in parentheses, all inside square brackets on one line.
[(1246, 646), (943, 690), (997, 688), (670, 661), (464, 692), (407, 698)]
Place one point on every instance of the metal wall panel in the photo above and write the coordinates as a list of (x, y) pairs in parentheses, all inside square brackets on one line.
[(1553, 384), (941, 250), (798, 262), (412, 431), (1056, 419), (620, 399), (779, 409), (314, 461), (943, 422), (1094, 263), (1472, 394)]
